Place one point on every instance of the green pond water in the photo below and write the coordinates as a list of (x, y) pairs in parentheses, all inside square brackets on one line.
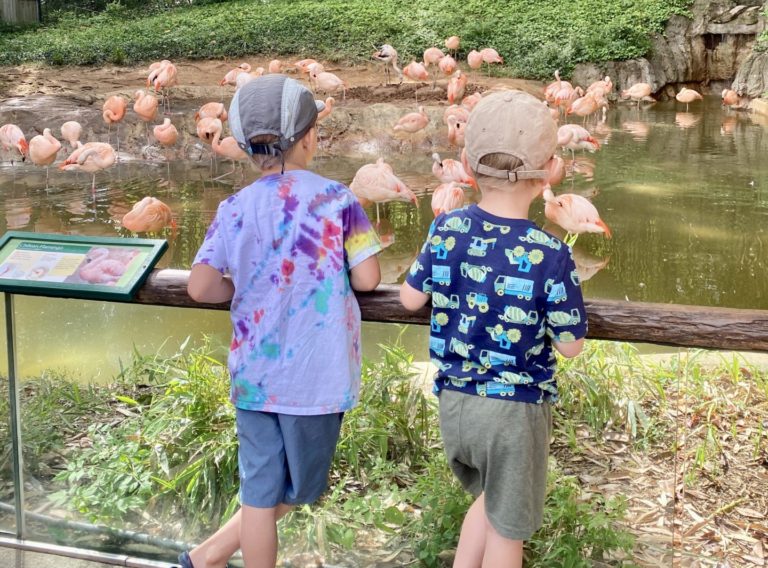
[(685, 193)]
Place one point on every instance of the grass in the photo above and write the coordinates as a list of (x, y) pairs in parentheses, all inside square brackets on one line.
[(161, 447), (535, 38)]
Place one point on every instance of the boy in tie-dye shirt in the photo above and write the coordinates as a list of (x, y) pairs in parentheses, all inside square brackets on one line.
[(288, 250)]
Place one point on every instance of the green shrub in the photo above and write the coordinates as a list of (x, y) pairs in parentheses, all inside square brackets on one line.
[(533, 37)]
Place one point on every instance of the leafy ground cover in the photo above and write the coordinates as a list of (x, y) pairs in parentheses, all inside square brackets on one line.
[(533, 37), (654, 463)]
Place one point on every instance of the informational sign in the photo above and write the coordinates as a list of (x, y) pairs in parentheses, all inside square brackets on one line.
[(106, 268)]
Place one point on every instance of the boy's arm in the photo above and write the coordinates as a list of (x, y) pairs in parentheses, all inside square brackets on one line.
[(208, 285), (411, 298), (569, 349), (364, 277)]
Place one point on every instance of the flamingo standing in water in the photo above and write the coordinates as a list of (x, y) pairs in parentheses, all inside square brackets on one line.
[(554, 87), (470, 101), (113, 112), (43, 150), (456, 129), (148, 215), (91, 157), (730, 98), (71, 131), (226, 147), (387, 55), (687, 96), (377, 183), (12, 140), (574, 137), (449, 170), (584, 106), (167, 135), (447, 197), (433, 56), (573, 213), (637, 92)]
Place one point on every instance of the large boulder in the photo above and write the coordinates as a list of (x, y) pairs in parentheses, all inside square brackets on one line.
[(709, 47)]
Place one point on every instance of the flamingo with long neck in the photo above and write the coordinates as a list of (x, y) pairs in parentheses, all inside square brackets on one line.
[(113, 112), (43, 150), (377, 183), (12, 140), (573, 213), (91, 157), (226, 147)]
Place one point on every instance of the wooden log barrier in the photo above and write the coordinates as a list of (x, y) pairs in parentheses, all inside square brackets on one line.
[(642, 322)]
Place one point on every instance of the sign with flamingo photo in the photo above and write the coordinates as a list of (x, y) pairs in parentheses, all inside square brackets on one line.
[(71, 266)]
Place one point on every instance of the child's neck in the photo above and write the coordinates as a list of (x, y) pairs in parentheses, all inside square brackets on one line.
[(505, 204)]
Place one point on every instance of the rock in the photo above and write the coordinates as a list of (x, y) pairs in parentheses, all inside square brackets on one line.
[(752, 77)]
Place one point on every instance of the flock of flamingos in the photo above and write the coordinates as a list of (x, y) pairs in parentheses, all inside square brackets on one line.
[(373, 183)]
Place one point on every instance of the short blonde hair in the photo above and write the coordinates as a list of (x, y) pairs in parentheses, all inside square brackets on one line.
[(503, 162)]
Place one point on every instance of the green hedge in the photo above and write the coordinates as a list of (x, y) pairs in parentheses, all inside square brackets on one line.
[(534, 37)]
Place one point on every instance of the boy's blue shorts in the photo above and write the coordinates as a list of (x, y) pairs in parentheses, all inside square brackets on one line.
[(284, 458)]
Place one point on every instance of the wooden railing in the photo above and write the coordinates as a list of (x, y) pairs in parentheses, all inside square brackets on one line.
[(642, 322)]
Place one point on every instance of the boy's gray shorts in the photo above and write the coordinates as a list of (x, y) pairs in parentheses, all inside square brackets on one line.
[(500, 448)]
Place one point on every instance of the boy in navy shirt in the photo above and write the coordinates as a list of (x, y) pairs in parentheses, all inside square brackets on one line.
[(504, 293)]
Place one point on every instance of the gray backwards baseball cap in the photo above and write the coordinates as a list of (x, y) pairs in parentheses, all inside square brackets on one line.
[(272, 104)]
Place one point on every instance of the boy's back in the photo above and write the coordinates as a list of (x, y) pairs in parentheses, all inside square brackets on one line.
[(502, 290), (285, 240)]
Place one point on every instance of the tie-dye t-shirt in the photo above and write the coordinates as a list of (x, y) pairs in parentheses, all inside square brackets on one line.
[(288, 241)]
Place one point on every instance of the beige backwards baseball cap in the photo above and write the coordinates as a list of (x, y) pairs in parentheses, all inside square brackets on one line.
[(515, 123)]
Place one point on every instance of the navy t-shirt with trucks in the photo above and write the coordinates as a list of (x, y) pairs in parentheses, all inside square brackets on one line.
[(502, 290)]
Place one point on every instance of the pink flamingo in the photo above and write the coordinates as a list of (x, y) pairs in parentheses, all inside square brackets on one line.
[(12, 139), (566, 95), (303, 65), (212, 110), (71, 131), (113, 112), (574, 137), (244, 78), (377, 183), (556, 169), (91, 157), (415, 71), (459, 111), (456, 86), (449, 170), (323, 114), (687, 96), (412, 122), (43, 150), (456, 130), (387, 55), (475, 60), (275, 66), (730, 98), (328, 82), (447, 65), (225, 147), (98, 268), (230, 77), (490, 56), (452, 44), (166, 134), (602, 88), (554, 87), (470, 101), (148, 215), (573, 213), (447, 197), (432, 56), (165, 79), (145, 106), (584, 106), (637, 92)]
